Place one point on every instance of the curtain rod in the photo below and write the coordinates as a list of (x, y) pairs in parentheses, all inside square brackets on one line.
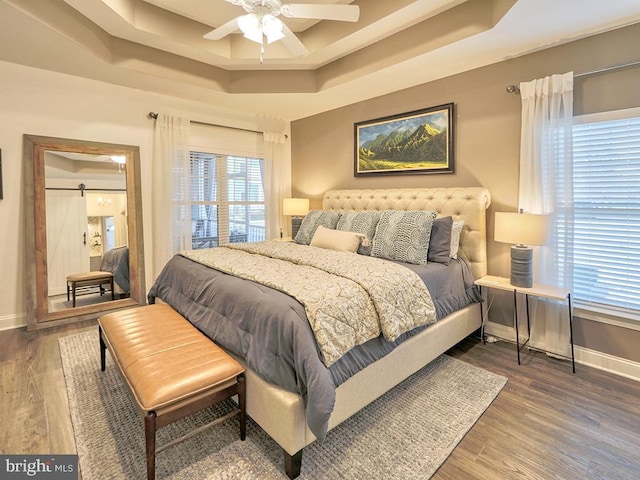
[(516, 88), (154, 115)]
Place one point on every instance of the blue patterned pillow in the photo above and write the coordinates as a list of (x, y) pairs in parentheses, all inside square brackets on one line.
[(403, 236), (311, 222), (361, 222)]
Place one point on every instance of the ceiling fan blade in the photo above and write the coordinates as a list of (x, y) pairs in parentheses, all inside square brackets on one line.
[(345, 13), (292, 42), (223, 30)]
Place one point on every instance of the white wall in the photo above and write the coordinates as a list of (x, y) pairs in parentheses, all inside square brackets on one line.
[(39, 102)]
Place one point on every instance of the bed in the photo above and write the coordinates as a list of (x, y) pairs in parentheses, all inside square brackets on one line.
[(116, 261), (292, 406)]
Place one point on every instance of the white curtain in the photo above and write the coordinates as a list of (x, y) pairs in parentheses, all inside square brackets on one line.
[(546, 186), (277, 175), (170, 189)]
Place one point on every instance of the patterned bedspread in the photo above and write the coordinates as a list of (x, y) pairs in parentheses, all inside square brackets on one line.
[(348, 299)]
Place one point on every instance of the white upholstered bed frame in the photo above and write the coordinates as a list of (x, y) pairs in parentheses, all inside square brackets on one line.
[(281, 413)]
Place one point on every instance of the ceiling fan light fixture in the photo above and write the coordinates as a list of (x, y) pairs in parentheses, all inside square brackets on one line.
[(261, 21), (250, 26), (272, 28)]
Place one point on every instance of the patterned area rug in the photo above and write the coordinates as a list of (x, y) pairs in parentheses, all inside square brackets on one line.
[(408, 433)]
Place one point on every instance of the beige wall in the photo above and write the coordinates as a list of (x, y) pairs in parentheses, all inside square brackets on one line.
[(45, 103), (487, 139)]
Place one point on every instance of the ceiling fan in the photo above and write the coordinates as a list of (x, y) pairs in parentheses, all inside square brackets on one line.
[(261, 21)]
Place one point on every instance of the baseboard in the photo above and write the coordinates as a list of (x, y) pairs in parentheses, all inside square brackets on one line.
[(13, 321), (584, 356), (500, 331), (608, 363)]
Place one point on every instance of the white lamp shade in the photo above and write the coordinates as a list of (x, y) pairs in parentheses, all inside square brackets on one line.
[(272, 28), (521, 228), (250, 26), (295, 207)]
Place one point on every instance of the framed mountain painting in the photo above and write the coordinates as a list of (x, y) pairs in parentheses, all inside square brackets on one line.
[(416, 142)]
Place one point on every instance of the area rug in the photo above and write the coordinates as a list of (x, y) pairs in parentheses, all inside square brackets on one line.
[(408, 433)]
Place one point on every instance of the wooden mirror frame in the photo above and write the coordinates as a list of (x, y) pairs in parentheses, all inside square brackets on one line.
[(38, 315)]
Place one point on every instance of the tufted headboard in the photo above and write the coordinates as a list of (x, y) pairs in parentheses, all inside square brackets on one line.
[(462, 203)]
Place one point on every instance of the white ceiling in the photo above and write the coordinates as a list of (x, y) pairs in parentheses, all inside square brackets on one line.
[(157, 45)]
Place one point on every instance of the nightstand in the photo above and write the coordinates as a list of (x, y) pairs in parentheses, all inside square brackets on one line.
[(538, 290)]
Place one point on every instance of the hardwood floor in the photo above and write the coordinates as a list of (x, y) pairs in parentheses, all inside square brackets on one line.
[(34, 411), (547, 423)]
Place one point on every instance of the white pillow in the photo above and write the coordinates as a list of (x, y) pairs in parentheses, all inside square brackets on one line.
[(456, 231), (339, 240)]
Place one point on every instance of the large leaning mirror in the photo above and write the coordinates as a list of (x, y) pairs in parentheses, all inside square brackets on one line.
[(83, 228)]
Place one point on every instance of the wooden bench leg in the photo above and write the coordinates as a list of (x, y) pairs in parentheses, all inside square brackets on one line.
[(73, 293), (103, 350), (242, 405), (150, 440), (292, 464)]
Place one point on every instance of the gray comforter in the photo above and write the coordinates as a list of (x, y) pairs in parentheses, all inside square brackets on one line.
[(348, 299), (116, 261), (269, 329)]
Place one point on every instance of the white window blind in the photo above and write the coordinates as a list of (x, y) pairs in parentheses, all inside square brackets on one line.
[(227, 199), (606, 156)]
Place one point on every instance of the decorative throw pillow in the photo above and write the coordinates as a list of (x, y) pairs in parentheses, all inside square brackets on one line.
[(403, 236), (361, 222), (440, 241), (456, 232), (311, 222), (336, 239)]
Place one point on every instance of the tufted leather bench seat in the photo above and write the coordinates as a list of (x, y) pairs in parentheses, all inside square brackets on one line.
[(77, 281), (171, 368)]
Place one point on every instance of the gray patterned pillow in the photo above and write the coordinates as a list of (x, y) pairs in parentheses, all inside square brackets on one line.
[(440, 241), (360, 222), (403, 236), (310, 224)]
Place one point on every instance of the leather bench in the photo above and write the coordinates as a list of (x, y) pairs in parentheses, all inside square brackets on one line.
[(171, 368), (77, 281)]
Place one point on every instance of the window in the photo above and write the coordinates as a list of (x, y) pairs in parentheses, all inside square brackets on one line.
[(606, 182), (227, 199)]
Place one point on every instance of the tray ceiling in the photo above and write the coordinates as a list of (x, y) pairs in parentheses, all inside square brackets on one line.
[(157, 45)]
